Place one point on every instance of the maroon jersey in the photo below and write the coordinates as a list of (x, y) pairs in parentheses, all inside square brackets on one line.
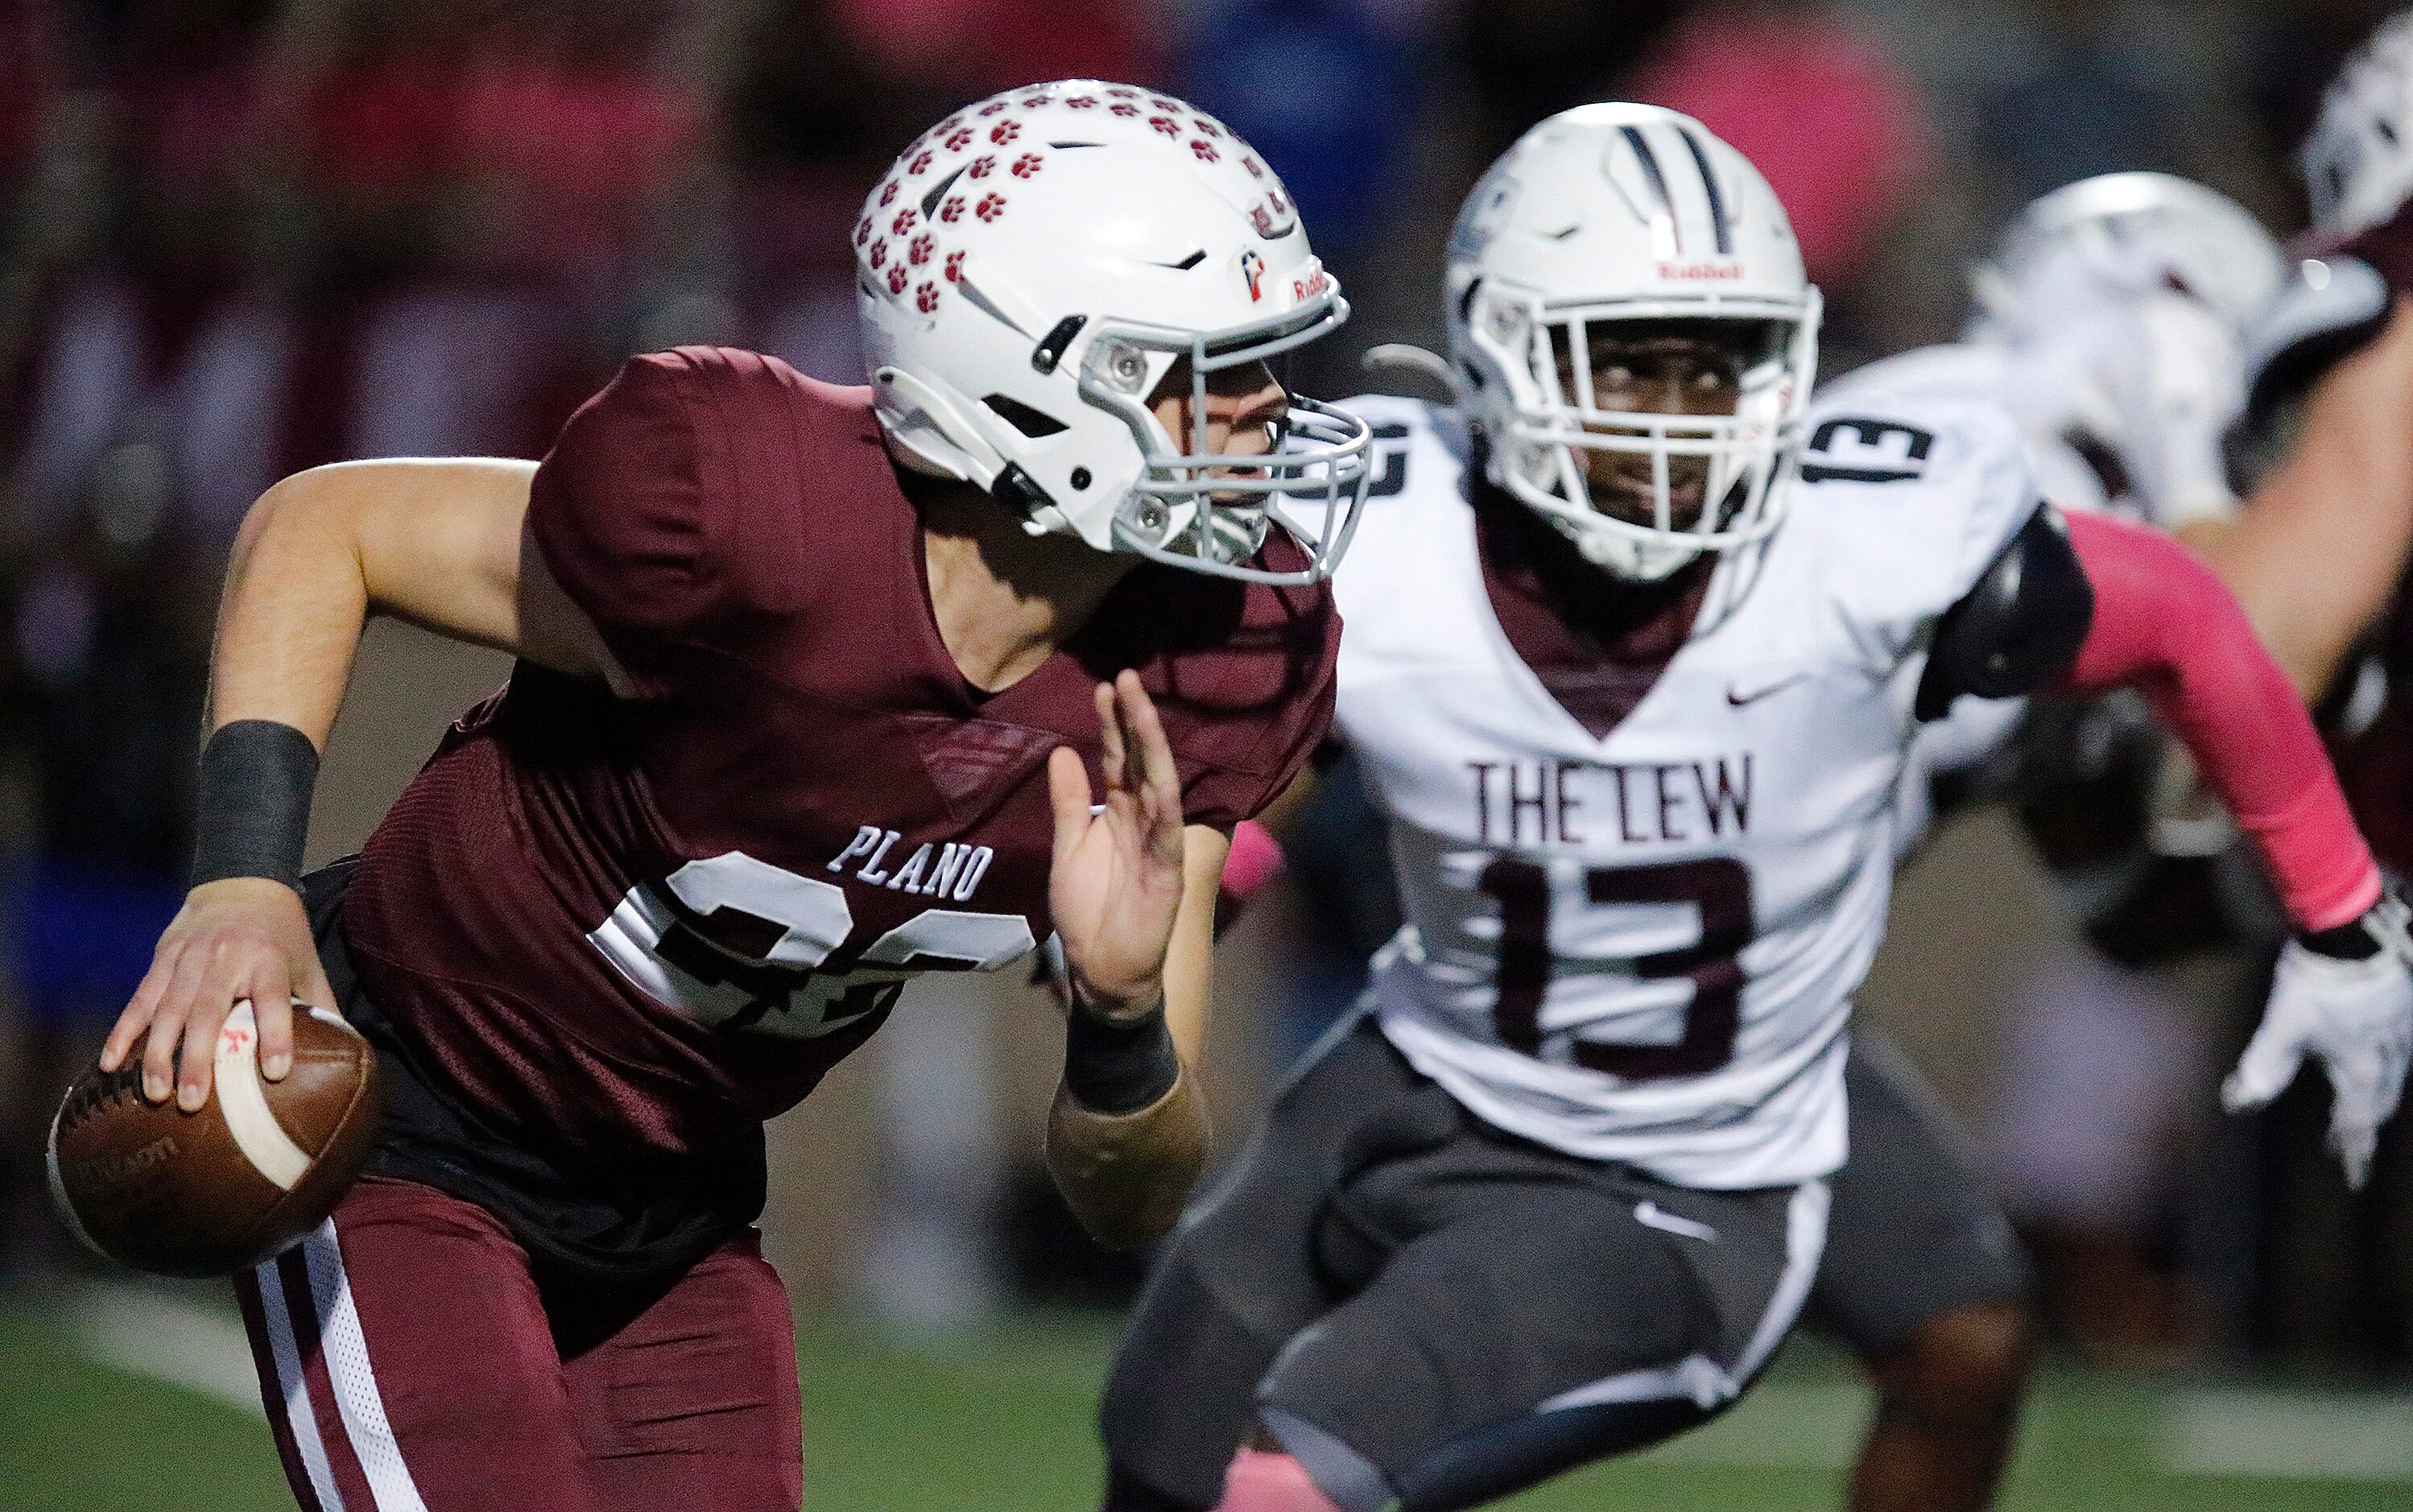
[(646, 921)]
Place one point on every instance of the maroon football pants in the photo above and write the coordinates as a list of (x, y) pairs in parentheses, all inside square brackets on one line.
[(412, 1362)]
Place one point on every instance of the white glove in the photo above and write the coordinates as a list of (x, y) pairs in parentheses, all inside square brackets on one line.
[(2356, 1018)]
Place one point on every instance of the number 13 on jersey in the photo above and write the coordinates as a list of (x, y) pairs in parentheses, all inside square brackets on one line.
[(1719, 887)]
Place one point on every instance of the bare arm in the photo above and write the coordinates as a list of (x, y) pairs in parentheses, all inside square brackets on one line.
[(440, 544), (2318, 549), (1190, 960), (1133, 891)]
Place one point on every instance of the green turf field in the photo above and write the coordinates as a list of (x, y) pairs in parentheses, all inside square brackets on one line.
[(1001, 1421)]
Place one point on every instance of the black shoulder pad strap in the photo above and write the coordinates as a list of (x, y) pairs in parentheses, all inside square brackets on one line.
[(2019, 627), (2328, 309)]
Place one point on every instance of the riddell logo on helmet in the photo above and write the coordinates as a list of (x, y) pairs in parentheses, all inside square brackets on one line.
[(1253, 272), (1700, 273), (1315, 283)]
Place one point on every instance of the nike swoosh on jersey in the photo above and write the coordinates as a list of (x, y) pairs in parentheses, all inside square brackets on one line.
[(1654, 1216), (1739, 697)]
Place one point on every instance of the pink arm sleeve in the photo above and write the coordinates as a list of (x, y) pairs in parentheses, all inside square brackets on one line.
[(2165, 626)]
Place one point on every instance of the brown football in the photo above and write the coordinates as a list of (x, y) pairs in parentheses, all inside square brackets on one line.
[(206, 1194)]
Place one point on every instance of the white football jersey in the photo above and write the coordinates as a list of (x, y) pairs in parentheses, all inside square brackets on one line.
[(1643, 948), (2066, 396), (2056, 391), (1978, 373)]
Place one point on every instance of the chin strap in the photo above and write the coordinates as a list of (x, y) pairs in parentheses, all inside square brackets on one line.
[(1409, 358)]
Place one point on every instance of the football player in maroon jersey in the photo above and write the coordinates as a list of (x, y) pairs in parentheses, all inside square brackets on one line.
[(815, 686), (2318, 557)]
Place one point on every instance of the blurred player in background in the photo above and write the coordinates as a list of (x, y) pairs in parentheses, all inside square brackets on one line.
[(813, 686), (1640, 726), (2318, 557), (2110, 323)]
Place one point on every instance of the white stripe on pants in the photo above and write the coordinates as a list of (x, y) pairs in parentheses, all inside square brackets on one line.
[(344, 1350)]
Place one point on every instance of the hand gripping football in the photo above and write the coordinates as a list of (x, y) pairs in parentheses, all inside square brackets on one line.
[(208, 1193)]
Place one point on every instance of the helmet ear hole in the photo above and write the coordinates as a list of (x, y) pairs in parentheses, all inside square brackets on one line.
[(1037, 424)]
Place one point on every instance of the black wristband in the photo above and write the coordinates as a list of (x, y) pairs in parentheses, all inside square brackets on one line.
[(251, 810), (2348, 941), (2359, 938), (1118, 1068)]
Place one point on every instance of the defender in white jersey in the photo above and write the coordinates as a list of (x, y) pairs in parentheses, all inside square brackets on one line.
[(1640, 943), (1634, 660)]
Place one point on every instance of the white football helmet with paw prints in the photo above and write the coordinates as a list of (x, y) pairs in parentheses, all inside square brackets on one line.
[(1031, 270), (1623, 212), (2358, 160), (2122, 304)]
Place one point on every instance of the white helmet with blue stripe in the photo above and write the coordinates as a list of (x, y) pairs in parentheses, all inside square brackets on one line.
[(1621, 213)]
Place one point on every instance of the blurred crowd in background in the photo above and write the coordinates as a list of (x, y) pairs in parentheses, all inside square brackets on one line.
[(240, 237)]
